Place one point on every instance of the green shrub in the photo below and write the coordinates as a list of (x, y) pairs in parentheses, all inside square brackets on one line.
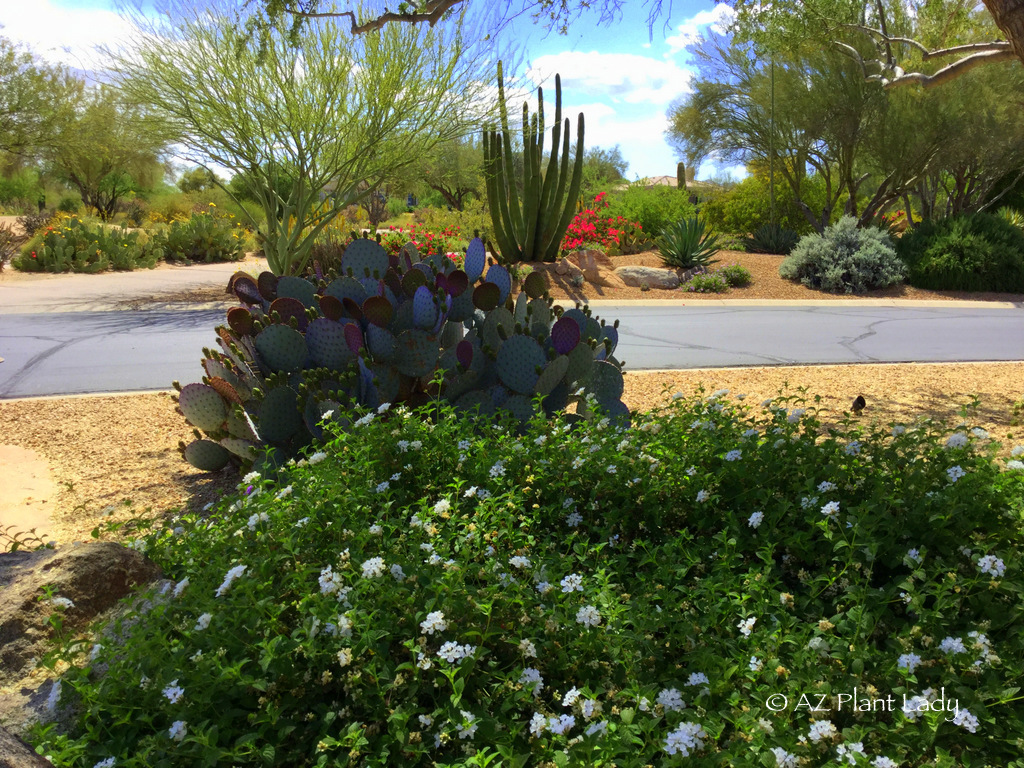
[(73, 246), (445, 593), (746, 207), (735, 275), (474, 219), (772, 239), (844, 260), (706, 282), (70, 204), (654, 208), (979, 252), (687, 244), (204, 237)]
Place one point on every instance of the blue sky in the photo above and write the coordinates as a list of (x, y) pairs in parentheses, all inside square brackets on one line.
[(618, 76)]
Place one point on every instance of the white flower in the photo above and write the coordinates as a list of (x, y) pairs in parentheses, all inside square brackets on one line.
[(559, 725), (330, 582), (470, 492), (1015, 464), (453, 652), (54, 697), (255, 520), (702, 496), (180, 587), (612, 469), (796, 414), (203, 621), (396, 572), (600, 727), (852, 448), (62, 602), (686, 738), (109, 762), (284, 493), (755, 664), (966, 720), (173, 692), (528, 648), (578, 462), (671, 700), (808, 501), (784, 759), (909, 662), (464, 445), (544, 587), (317, 457), (373, 568), (442, 506), (381, 487), (698, 678), (588, 707), (382, 408), (588, 616), (823, 729), (825, 486), (468, 726), (250, 478), (831, 509), (532, 679), (955, 473), (952, 645), (178, 730), (913, 706), (422, 661), (570, 697), (426, 721), (747, 626), (755, 519), (538, 723), (991, 565), (751, 433), (733, 455), (979, 433), (498, 470), (884, 762), (956, 440), (344, 657), (416, 444), (301, 523), (434, 623), (850, 751), (573, 519), (572, 583), (483, 493), (1018, 450), (229, 579), (365, 420), (915, 555)]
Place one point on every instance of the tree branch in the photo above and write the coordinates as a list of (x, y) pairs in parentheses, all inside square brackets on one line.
[(431, 13)]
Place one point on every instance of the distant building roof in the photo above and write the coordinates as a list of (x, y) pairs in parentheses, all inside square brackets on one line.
[(667, 181)]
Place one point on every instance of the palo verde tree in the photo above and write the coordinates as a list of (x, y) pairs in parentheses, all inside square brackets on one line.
[(326, 110)]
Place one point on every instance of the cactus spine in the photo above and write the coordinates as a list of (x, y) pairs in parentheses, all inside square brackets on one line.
[(533, 229)]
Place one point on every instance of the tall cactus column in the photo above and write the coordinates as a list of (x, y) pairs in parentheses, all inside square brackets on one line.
[(533, 229)]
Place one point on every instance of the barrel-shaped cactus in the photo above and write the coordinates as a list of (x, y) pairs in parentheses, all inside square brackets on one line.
[(297, 352)]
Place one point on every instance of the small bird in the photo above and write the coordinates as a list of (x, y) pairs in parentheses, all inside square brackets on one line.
[(858, 404)]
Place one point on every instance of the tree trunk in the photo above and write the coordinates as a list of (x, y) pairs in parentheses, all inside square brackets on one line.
[(1009, 17)]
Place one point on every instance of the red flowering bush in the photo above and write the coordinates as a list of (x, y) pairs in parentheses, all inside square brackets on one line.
[(449, 241), (615, 234)]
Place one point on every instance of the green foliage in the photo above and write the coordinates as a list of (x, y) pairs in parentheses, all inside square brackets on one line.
[(706, 282), (73, 246), (69, 204), (393, 329), (717, 565), (655, 208), (769, 239), (204, 237), (687, 244), (19, 191), (603, 171), (474, 220), (33, 222), (198, 180), (1013, 216), (532, 228), (846, 259), (735, 275), (744, 208), (979, 252)]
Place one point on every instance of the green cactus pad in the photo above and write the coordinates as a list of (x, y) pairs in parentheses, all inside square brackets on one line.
[(486, 296), (206, 455), (282, 348), (381, 343), (203, 407), (287, 308), (325, 340), (366, 258), (477, 401), (521, 407), (610, 333), (534, 285), (557, 400), (451, 334), (539, 311), (245, 449), (476, 259), (387, 381), (416, 353), (581, 359), (592, 330), (267, 285), (522, 301), (240, 425), (500, 277), (457, 386), (424, 308), (378, 311), (552, 375), (496, 318), (462, 307), (347, 288), (408, 255), (403, 317), (331, 308), (517, 363), (291, 287), (605, 382), (413, 280), (240, 320), (279, 415)]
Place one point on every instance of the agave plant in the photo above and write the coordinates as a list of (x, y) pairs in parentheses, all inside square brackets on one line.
[(392, 329), (772, 238), (687, 244), (1016, 218)]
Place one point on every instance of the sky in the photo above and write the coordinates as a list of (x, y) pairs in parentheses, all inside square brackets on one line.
[(621, 76)]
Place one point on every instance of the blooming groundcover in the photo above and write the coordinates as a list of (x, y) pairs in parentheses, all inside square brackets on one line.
[(720, 584)]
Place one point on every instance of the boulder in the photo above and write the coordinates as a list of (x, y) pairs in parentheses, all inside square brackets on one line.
[(93, 577), (634, 277), (15, 753), (596, 267)]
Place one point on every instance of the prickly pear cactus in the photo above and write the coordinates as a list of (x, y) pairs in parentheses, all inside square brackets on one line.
[(382, 332)]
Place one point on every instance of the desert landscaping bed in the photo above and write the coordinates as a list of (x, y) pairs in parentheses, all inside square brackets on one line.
[(114, 457)]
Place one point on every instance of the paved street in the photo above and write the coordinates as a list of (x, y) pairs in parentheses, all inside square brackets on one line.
[(117, 351)]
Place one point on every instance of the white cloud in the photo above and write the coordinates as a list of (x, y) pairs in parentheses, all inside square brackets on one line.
[(64, 35), (621, 77), (718, 20)]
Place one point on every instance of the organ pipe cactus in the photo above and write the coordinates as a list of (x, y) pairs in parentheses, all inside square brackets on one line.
[(391, 329), (532, 230)]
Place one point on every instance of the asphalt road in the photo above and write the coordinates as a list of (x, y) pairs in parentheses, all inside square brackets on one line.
[(119, 351)]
